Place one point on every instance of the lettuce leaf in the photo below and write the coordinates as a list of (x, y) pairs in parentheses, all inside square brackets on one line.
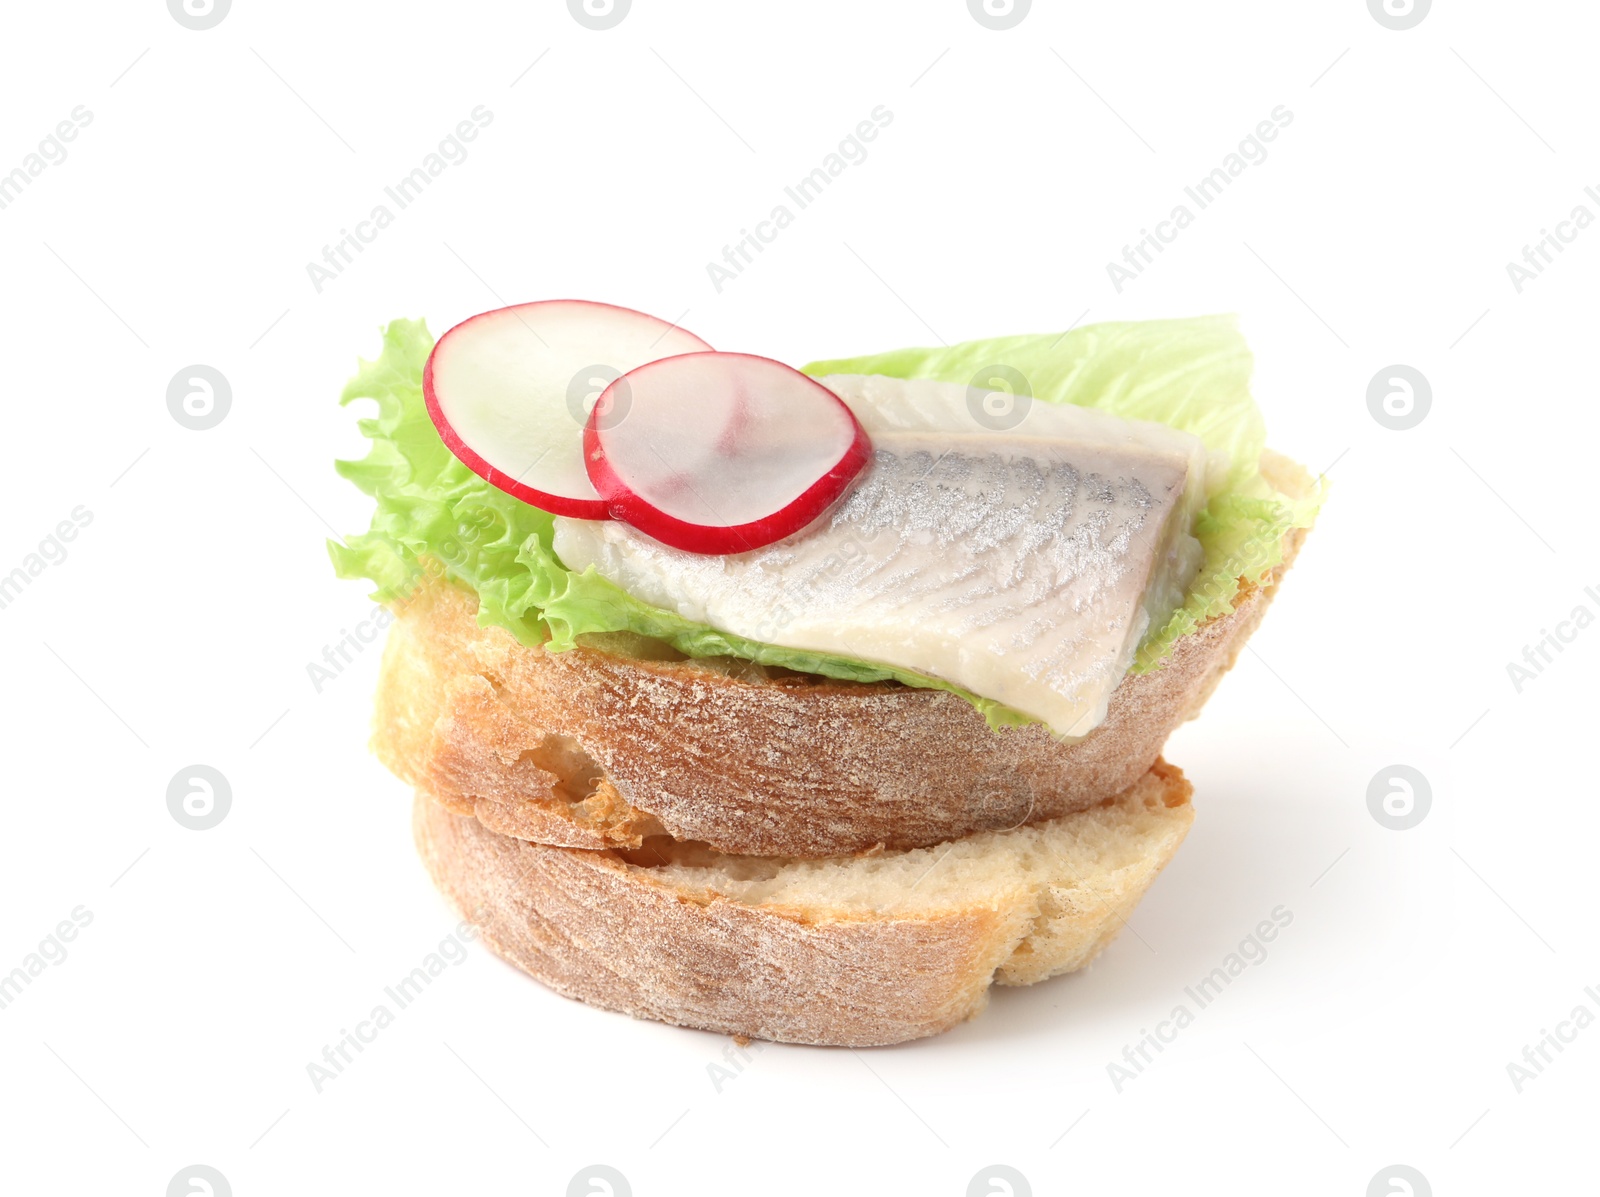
[(434, 515)]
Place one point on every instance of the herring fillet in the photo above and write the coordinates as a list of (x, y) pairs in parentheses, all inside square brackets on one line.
[(1024, 566)]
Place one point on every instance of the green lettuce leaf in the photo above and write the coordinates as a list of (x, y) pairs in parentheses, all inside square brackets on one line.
[(433, 514)]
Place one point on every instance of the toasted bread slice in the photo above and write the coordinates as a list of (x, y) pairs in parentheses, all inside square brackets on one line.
[(847, 951), (596, 749)]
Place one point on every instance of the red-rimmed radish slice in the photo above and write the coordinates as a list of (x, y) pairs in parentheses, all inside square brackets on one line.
[(723, 452), (511, 390)]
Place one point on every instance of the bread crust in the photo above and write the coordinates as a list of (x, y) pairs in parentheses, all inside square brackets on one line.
[(588, 749), (594, 927)]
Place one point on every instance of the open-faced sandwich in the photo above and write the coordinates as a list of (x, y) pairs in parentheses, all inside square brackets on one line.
[(805, 704)]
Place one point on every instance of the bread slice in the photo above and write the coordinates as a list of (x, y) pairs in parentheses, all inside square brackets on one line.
[(598, 749), (847, 951)]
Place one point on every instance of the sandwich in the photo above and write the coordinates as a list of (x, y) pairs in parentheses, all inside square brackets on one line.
[(805, 705)]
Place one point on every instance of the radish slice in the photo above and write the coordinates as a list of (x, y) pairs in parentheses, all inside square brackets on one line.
[(511, 390), (723, 452)]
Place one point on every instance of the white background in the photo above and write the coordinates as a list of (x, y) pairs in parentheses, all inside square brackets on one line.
[(1018, 163)]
